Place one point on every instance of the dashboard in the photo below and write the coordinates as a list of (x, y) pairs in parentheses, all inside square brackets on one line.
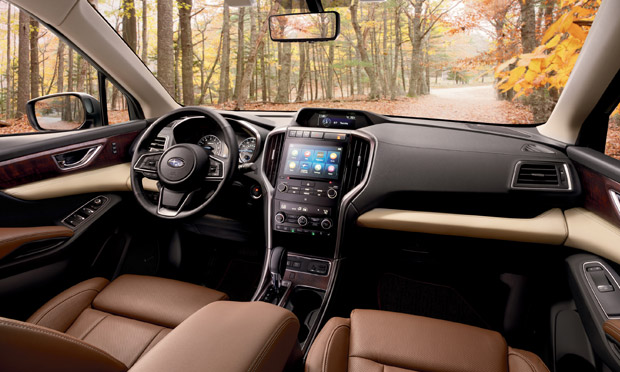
[(201, 131)]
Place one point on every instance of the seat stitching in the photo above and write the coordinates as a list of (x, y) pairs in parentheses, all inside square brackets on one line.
[(93, 327), (61, 336), (274, 336), (329, 341), (62, 302), (532, 366)]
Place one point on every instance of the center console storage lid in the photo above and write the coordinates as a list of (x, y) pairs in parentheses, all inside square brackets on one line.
[(226, 336)]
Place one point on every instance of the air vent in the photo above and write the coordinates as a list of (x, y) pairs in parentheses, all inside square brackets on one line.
[(272, 156), (540, 175), (158, 144), (355, 163), (531, 147)]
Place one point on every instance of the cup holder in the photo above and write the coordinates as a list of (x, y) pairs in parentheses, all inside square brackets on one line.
[(305, 303)]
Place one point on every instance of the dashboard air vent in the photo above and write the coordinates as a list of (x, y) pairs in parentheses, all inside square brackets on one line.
[(541, 175), (531, 147), (158, 144), (355, 163), (272, 156)]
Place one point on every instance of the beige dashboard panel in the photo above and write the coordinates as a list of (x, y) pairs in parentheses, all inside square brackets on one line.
[(113, 178), (589, 232), (547, 228)]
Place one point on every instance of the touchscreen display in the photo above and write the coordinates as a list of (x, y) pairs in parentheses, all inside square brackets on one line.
[(335, 120), (313, 161)]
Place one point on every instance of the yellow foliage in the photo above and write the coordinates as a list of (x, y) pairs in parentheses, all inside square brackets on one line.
[(551, 63)]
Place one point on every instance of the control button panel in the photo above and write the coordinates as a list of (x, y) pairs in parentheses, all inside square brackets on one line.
[(84, 212), (318, 135), (308, 188), (306, 265)]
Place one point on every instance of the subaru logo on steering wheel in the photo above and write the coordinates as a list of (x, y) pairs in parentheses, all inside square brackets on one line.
[(176, 162)]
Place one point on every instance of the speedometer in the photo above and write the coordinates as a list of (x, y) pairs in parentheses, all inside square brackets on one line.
[(246, 149), (211, 142)]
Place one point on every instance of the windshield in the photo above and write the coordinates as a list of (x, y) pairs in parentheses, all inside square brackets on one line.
[(489, 61)]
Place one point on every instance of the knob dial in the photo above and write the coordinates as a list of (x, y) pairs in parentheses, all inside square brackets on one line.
[(302, 221), (282, 187), (326, 224), (280, 217), (332, 193)]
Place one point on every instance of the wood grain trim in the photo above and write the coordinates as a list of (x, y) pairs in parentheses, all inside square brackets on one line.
[(547, 228), (41, 165), (596, 189), (612, 329), (12, 238)]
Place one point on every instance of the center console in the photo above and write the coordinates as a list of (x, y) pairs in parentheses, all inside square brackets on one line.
[(314, 169), (309, 183)]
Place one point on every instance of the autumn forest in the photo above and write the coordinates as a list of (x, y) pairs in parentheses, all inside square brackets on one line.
[(402, 57)]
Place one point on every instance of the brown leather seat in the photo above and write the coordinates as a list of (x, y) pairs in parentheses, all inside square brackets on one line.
[(383, 341), (100, 325)]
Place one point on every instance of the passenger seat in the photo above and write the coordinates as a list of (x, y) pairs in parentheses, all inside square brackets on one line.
[(391, 342)]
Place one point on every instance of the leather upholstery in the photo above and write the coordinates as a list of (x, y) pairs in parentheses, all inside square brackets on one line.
[(252, 336), (155, 300), (27, 347), (124, 318), (12, 238), (383, 341)]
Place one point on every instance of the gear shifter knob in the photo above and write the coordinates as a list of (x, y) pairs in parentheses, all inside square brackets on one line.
[(277, 266)]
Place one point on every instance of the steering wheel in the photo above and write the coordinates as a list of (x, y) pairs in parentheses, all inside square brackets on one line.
[(189, 176)]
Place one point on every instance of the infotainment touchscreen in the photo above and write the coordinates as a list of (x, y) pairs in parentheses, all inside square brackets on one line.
[(312, 161)]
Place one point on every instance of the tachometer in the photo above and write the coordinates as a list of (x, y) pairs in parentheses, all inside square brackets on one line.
[(212, 143), (246, 149)]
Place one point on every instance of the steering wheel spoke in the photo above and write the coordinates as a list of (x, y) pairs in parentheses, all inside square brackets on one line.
[(147, 165), (171, 202), (217, 169)]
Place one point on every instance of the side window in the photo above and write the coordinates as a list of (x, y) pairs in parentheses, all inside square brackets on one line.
[(612, 144), (117, 105), (34, 62)]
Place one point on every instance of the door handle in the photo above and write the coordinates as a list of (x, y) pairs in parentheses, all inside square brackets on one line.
[(76, 158)]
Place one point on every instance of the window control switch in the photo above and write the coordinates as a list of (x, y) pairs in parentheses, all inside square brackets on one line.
[(605, 288)]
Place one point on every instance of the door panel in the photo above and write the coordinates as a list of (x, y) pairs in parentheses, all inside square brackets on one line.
[(596, 228), (52, 235)]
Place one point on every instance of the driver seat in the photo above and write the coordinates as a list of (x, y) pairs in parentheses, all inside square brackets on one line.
[(101, 325)]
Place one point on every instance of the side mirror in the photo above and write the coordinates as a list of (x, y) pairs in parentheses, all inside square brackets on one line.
[(308, 27), (64, 111)]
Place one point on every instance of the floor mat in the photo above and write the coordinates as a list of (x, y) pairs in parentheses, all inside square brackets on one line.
[(240, 279), (404, 295)]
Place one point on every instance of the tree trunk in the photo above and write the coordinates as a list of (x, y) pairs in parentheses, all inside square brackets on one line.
[(61, 67), (177, 70), (8, 62), (165, 52), (247, 74), (145, 36), (253, 42), (35, 81), (302, 73), (187, 69), (361, 46), (225, 66), (263, 67), (23, 67), (70, 71), (240, 52), (330, 72), (415, 35), (130, 33), (528, 25)]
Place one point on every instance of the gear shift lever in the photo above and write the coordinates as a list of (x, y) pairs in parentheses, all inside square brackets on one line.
[(277, 266)]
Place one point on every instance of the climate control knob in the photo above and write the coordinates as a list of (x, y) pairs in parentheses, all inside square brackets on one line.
[(332, 193), (326, 224), (280, 217), (302, 221), (282, 187)]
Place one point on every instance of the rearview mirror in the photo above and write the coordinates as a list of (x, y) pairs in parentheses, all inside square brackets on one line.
[(64, 111), (304, 27)]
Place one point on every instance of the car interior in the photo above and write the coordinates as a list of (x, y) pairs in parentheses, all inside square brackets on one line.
[(338, 239)]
